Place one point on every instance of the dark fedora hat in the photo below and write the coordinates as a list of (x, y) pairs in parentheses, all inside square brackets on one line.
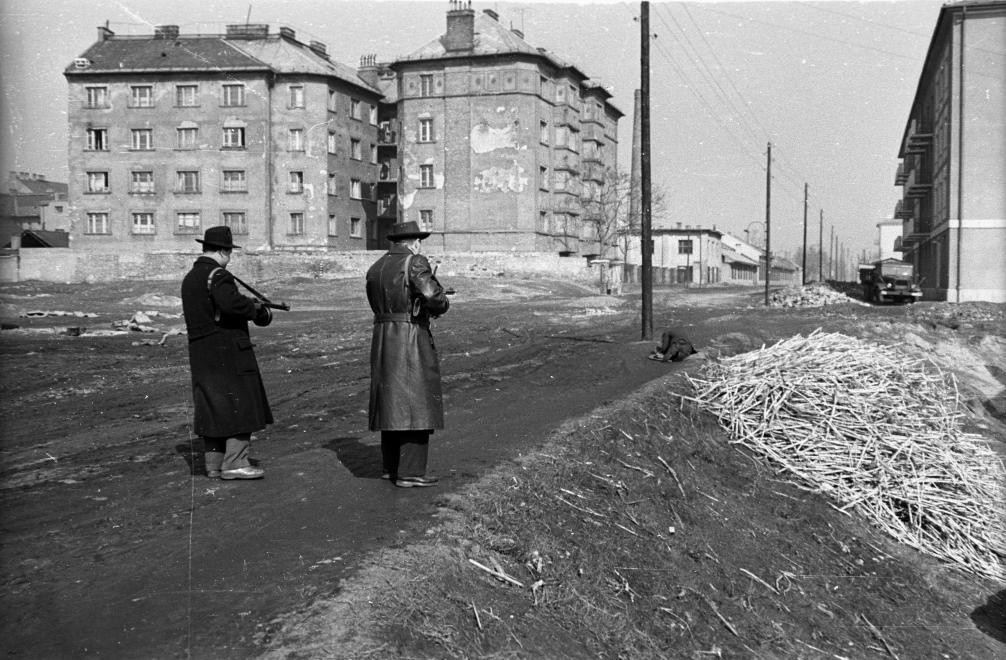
[(218, 237), (403, 230)]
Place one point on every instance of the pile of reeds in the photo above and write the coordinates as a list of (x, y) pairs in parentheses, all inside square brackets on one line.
[(874, 429)]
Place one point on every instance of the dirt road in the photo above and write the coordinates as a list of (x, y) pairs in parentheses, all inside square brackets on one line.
[(112, 547)]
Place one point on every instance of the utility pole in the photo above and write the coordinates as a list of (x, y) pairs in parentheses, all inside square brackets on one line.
[(646, 240), (820, 249), (768, 221), (803, 276), (831, 254)]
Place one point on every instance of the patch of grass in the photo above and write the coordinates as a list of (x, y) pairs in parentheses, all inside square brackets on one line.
[(640, 532)]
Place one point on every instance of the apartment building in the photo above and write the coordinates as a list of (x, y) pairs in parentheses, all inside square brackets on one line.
[(173, 133), (953, 158), (490, 143), (502, 145)]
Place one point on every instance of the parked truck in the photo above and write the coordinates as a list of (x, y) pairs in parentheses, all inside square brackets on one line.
[(889, 280)]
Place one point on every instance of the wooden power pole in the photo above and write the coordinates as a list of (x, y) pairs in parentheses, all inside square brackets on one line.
[(803, 276), (768, 221), (646, 238)]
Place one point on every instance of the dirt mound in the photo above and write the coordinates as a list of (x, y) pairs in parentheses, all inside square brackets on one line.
[(809, 295)]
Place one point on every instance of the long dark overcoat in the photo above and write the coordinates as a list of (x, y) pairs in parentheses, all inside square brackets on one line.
[(405, 392), (227, 388)]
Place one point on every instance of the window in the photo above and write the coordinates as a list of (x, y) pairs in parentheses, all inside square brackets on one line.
[(426, 219), (97, 139), (234, 137), (296, 96), (331, 100), (97, 182), (373, 115), (237, 221), (355, 228), (297, 223), (186, 96), (141, 96), (97, 97), (296, 183), (373, 154), (234, 181), (543, 132), (543, 178), (355, 150), (97, 223), (187, 182), (425, 176), (186, 138), (233, 95), (333, 225), (142, 139), (295, 139), (143, 222), (685, 246), (426, 85), (189, 222), (141, 182), (331, 143), (355, 189), (331, 184), (354, 108), (425, 130)]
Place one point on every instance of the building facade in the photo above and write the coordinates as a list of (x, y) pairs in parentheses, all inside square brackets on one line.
[(488, 142), (503, 146), (953, 152), (171, 133)]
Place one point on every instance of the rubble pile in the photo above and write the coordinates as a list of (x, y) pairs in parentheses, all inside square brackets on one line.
[(814, 294), (874, 429), (955, 315)]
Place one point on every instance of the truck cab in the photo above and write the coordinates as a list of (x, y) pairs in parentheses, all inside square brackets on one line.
[(889, 280)]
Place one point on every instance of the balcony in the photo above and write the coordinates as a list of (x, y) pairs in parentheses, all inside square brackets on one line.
[(901, 176), (904, 211), (388, 172), (917, 141), (918, 184), (387, 134), (592, 133)]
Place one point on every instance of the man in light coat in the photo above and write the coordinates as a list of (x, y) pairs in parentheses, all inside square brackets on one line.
[(230, 401), (406, 403)]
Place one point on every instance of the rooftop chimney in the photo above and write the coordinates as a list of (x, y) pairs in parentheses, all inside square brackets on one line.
[(165, 32), (320, 48), (460, 27), (491, 14), (104, 33), (369, 70), (248, 31), (288, 33)]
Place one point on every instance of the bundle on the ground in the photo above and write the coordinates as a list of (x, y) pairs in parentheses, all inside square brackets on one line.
[(875, 429)]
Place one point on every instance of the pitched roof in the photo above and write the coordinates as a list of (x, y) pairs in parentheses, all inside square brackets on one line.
[(491, 38), (185, 53), (285, 56), (280, 54)]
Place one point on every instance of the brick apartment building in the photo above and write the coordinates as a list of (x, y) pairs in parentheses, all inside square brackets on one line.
[(171, 133), (953, 151), (489, 142)]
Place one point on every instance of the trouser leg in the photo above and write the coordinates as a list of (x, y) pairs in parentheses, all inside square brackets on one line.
[(236, 453), (213, 455), (389, 452), (413, 452)]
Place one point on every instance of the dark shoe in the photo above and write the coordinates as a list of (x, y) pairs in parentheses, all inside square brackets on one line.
[(213, 474), (243, 473), (416, 482)]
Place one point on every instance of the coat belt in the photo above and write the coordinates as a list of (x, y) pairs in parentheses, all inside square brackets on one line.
[(400, 317)]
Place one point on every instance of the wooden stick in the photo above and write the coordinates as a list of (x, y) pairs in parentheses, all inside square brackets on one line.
[(499, 574), (675, 475)]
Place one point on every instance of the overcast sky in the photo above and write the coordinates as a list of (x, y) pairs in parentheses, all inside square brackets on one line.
[(829, 84)]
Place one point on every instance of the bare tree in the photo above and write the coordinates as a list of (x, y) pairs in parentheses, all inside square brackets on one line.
[(607, 204)]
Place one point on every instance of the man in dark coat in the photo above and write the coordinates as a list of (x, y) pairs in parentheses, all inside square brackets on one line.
[(406, 404), (230, 401)]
